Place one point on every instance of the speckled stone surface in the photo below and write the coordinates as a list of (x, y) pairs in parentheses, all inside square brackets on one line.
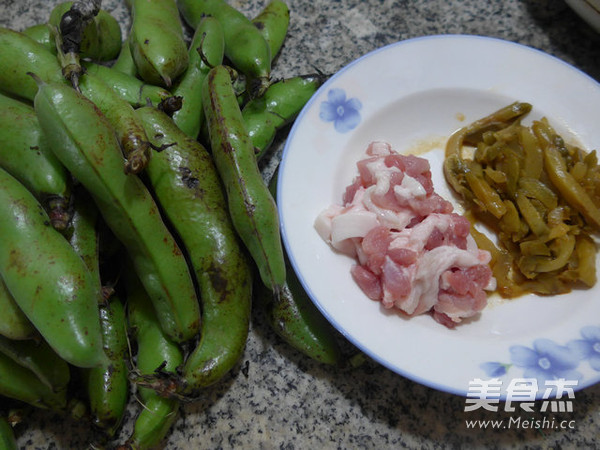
[(278, 398)]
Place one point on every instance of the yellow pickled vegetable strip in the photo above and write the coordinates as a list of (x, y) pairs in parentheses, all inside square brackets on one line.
[(578, 171), (486, 195), (586, 255), (591, 160), (534, 160), (557, 231), (533, 188), (572, 192), (496, 176), (512, 167), (454, 171), (558, 216), (563, 248), (511, 221), (547, 284), (502, 117), (535, 247), (501, 265), (531, 215)]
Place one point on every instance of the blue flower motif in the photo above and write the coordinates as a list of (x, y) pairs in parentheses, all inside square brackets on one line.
[(546, 361), (494, 369), (588, 348), (343, 113)]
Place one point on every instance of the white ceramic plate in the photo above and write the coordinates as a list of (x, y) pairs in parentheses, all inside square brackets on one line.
[(414, 94), (588, 10)]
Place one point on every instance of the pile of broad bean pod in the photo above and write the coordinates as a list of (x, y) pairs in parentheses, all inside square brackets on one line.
[(136, 227)]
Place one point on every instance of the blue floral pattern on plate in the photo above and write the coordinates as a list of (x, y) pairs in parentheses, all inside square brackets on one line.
[(547, 360), (343, 112), (588, 348)]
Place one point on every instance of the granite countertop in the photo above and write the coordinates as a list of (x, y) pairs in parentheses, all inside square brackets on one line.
[(278, 398)]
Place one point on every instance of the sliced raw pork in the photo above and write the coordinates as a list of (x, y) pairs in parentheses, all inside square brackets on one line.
[(412, 251)]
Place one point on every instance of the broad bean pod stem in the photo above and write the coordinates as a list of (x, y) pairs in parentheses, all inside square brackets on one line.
[(121, 115), (99, 37)]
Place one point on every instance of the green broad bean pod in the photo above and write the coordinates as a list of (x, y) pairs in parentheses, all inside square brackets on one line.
[(273, 22), (41, 33), (8, 440), (295, 319), (107, 386), (245, 46), (134, 91), (205, 52), (121, 115), (83, 139), (47, 279), (19, 383), (20, 55), (187, 185), (277, 107), (251, 206), (153, 422), (41, 359), (124, 62), (155, 351), (14, 324), (25, 155), (83, 231), (157, 42)]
